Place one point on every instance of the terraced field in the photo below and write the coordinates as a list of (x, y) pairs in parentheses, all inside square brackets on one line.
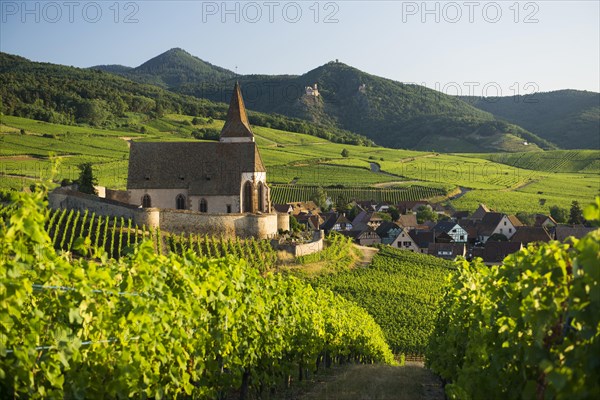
[(299, 163)]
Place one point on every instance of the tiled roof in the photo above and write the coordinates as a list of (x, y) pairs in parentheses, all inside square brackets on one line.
[(205, 168), (236, 124)]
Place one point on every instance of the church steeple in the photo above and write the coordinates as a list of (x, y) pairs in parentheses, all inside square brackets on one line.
[(237, 128)]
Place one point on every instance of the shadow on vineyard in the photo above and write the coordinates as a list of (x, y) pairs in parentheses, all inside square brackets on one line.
[(401, 290), (159, 325)]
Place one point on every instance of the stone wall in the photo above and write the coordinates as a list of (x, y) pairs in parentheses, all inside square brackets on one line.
[(297, 250), (227, 225)]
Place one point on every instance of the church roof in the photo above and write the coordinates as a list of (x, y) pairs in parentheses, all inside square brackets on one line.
[(204, 168), (237, 124)]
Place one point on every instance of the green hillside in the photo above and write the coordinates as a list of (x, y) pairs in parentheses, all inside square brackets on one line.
[(297, 164), (173, 68), (391, 113), (568, 118), (67, 95)]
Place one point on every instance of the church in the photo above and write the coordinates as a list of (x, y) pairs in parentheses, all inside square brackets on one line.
[(225, 177)]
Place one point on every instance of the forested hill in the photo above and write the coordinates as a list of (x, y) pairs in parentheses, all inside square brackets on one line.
[(568, 118), (389, 112), (171, 69), (68, 95)]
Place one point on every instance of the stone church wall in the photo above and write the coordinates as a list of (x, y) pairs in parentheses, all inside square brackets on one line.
[(227, 225)]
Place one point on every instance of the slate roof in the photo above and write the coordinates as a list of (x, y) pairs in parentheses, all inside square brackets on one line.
[(456, 249), (444, 226), (385, 227), (332, 219), (481, 211), (541, 218), (489, 222), (236, 124), (561, 232), (495, 252), (421, 238), (204, 168), (529, 234)]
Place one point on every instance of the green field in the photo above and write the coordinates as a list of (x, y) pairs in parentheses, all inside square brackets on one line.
[(297, 163)]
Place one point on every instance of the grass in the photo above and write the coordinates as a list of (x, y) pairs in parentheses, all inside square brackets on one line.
[(507, 182), (376, 382)]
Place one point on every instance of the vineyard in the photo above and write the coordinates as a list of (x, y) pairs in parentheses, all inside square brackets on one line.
[(117, 236), (531, 324), (401, 290), (150, 325), (551, 161), (281, 194)]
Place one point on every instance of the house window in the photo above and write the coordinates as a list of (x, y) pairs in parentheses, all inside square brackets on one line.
[(462, 237), (203, 205), (180, 202), (504, 223), (228, 208), (146, 201), (509, 230)]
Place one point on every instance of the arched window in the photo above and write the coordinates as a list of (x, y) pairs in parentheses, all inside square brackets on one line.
[(247, 197), (180, 202), (146, 201), (261, 197), (203, 205)]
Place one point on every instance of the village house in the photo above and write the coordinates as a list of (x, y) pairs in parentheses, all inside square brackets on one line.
[(545, 221), (562, 232), (495, 252), (388, 232), (407, 221), (366, 218), (452, 229), (481, 211), (531, 234), (494, 223), (405, 241), (364, 237), (448, 251), (336, 222)]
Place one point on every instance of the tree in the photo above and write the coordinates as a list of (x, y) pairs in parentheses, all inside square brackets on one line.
[(526, 218), (425, 213), (87, 180), (320, 198), (395, 214), (575, 214), (294, 224), (341, 205), (345, 153), (559, 214)]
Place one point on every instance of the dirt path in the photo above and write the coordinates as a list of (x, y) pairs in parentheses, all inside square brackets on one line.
[(378, 382), (367, 254)]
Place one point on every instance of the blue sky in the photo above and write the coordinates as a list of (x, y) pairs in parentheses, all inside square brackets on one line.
[(502, 47)]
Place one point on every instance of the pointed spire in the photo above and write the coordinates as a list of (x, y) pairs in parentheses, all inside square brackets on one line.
[(237, 128)]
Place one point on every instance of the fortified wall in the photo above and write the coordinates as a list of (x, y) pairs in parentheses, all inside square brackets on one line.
[(260, 226)]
